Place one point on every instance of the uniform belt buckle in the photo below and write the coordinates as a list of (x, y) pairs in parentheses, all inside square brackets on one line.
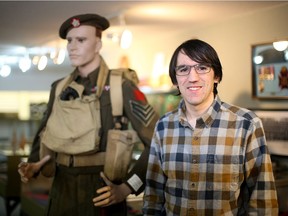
[(71, 161)]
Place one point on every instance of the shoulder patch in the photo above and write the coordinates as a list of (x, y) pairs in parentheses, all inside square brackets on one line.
[(139, 96)]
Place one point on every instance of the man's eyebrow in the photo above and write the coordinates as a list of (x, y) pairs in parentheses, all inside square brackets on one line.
[(80, 37)]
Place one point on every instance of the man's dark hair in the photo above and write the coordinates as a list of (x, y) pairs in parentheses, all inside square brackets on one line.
[(200, 52)]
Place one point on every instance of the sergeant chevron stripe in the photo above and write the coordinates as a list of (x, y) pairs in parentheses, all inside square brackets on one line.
[(144, 113)]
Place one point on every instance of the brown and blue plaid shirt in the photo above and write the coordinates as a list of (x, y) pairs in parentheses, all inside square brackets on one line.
[(220, 167)]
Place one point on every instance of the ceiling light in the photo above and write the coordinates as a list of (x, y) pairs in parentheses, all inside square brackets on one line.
[(280, 45), (6, 59), (42, 62), (5, 71), (53, 54), (115, 38), (24, 64), (35, 60), (126, 39), (124, 36), (60, 57)]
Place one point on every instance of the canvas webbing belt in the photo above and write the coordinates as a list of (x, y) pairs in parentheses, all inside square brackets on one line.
[(96, 159)]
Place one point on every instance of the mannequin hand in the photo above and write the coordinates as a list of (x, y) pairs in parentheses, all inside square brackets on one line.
[(27, 170), (111, 194)]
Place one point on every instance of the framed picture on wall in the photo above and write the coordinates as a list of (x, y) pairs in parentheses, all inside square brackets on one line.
[(270, 71)]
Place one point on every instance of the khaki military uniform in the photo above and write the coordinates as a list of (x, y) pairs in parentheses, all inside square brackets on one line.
[(74, 186)]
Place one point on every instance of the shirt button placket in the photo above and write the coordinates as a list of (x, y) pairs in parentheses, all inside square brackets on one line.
[(192, 212)]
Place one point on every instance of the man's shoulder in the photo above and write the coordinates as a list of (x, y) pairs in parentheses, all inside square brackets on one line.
[(171, 116), (240, 112)]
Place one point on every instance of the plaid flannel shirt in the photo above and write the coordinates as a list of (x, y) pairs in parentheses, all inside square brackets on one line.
[(220, 167)]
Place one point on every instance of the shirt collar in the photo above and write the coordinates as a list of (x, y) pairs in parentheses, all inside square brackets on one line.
[(205, 120)]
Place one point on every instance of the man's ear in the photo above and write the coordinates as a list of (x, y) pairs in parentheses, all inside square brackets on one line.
[(98, 46), (216, 80)]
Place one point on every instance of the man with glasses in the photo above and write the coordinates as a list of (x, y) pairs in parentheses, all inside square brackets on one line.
[(207, 157)]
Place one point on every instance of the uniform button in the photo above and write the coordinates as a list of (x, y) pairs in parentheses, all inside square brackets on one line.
[(210, 187), (193, 184), (192, 211), (194, 161)]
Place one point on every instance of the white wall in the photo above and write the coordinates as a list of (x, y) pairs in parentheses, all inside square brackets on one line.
[(232, 39)]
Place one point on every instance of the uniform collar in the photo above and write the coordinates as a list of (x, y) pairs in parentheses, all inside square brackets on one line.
[(98, 76), (91, 76)]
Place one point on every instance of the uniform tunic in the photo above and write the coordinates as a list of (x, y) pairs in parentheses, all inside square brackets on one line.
[(74, 188)]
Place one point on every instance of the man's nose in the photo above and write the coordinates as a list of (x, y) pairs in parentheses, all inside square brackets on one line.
[(193, 75)]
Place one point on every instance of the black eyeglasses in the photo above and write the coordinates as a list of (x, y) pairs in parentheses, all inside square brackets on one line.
[(184, 70)]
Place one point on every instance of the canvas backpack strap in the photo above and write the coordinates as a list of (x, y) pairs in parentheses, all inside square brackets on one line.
[(120, 140), (62, 84), (103, 73), (116, 92)]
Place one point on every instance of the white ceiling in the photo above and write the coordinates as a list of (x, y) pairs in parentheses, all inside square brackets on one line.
[(35, 23)]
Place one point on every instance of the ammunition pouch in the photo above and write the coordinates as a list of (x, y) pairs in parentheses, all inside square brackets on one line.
[(119, 149)]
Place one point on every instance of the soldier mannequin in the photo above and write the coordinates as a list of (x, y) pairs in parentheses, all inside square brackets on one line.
[(85, 190)]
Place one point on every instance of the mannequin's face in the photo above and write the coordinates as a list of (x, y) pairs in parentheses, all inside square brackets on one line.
[(83, 46)]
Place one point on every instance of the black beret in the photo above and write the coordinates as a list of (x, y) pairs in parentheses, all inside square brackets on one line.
[(83, 19)]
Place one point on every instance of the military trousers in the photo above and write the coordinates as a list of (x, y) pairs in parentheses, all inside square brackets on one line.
[(72, 191)]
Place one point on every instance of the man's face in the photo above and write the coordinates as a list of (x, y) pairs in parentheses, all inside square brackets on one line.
[(196, 89), (83, 45)]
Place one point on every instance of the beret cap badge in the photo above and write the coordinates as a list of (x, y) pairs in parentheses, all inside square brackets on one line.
[(75, 22)]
